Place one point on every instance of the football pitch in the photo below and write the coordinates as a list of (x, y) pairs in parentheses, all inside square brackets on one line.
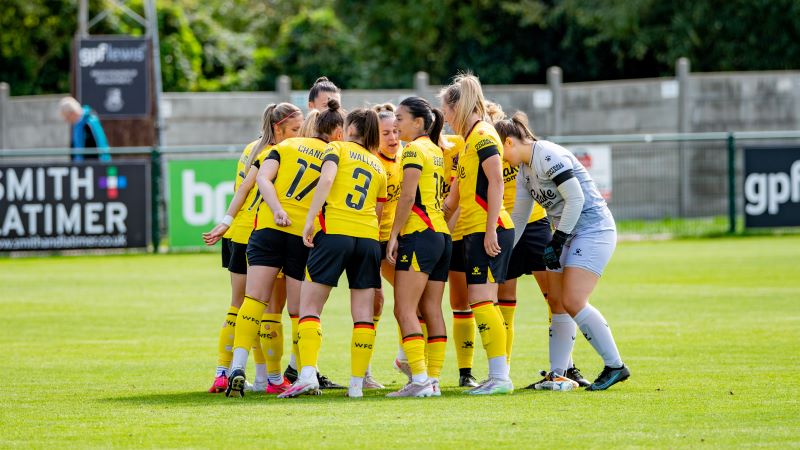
[(117, 351)]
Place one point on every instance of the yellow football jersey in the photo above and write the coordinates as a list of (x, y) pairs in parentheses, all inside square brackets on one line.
[(300, 165), (244, 221), (394, 178), (424, 155), (473, 185), (360, 184), (455, 145), (510, 193)]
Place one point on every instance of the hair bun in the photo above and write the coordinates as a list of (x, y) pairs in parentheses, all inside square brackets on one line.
[(333, 104), (321, 80), (385, 107)]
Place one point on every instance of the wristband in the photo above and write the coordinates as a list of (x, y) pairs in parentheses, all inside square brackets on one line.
[(227, 220)]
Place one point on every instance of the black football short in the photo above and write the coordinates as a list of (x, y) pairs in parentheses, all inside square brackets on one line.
[(335, 253), (482, 269), (457, 256), (425, 251), (274, 248), (234, 256), (527, 255)]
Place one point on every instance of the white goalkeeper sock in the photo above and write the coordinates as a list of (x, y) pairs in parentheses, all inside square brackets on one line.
[(562, 341), (597, 332)]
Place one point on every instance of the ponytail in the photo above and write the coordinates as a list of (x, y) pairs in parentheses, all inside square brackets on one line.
[(367, 127), (309, 128), (465, 96), (273, 115), (515, 127), (432, 118)]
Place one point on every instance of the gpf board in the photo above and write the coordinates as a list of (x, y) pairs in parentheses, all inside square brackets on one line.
[(74, 206), (199, 191), (772, 186), (112, 76)]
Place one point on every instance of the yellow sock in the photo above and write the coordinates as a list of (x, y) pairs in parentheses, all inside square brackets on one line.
[(490, 326), (361, 346), (295, 336), (272, 341), (437, 345), (464, 338), (309, 343), (258, 355), (226, 333), (248, 323), (507, 310), (424, 327), (414, 346)]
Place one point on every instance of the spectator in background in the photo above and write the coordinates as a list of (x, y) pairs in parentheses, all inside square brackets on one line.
[(87, 132)]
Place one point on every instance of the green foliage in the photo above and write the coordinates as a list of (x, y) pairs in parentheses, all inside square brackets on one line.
[(245, 44)]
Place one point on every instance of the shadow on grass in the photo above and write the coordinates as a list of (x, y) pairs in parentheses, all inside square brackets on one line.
[(327, 397)]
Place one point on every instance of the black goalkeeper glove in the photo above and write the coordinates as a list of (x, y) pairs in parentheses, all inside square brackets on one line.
[(552, 252)]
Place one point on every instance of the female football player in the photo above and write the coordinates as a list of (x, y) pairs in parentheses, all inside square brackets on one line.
[(235, 231), (584, 240), (276, 243), (321, 92), (419, 246), (463, 319), (487, 227), (347, 205)]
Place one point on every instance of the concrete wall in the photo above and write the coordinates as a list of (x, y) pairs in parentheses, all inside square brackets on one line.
[(714, 102)]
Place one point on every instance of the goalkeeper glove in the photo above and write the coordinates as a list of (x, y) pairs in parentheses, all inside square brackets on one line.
[(552, 252)]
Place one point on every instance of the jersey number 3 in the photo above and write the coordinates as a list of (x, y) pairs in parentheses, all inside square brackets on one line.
[(362, 189)]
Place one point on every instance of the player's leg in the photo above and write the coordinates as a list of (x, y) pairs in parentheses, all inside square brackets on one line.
[(272, 333), (362, 342), (463, 319), (584, 261), (431, 308), (507, 306), (483, 275), (312, 299), (226, 332), (406, 302), (325, 264), (248, 322)]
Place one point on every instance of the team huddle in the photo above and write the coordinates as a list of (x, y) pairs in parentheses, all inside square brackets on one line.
[(382, 193)]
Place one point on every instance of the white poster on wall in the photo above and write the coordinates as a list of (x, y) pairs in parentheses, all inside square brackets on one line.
[(597, 160)]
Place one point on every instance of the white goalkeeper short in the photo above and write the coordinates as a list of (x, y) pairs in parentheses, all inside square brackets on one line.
[(589, 250)]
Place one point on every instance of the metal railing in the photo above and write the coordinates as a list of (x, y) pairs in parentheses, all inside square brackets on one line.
[(663, 184)]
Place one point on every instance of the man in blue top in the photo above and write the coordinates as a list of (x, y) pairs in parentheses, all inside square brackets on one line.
[(87, 132)]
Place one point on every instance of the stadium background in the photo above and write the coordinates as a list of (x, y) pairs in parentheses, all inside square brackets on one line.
[(672, 92)]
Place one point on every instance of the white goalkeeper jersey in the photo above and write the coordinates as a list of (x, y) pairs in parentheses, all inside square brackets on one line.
[(539, 180)]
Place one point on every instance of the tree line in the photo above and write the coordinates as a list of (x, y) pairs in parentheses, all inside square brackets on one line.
[(244, 45)]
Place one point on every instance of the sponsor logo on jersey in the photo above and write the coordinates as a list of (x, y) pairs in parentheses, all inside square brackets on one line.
[(554, 169), (484, 143), (544, 197)]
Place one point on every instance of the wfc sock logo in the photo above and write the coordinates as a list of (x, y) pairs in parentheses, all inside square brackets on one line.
[(363, 345)]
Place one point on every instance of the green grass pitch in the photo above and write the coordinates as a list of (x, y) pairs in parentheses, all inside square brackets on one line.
[(117, 351)]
